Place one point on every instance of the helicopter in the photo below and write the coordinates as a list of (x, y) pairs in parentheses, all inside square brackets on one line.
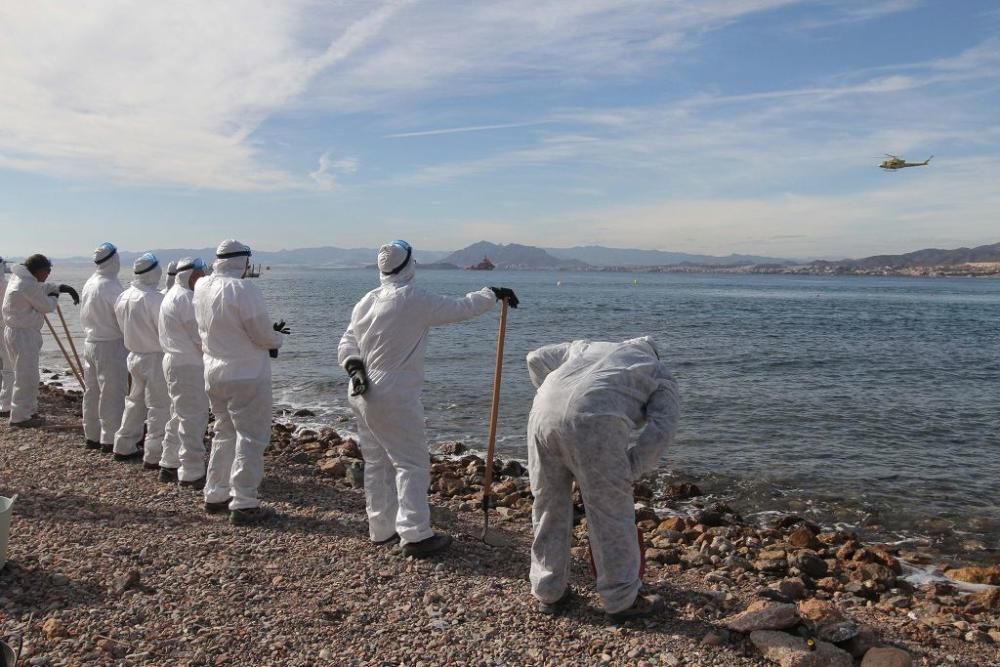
[(895, 162)]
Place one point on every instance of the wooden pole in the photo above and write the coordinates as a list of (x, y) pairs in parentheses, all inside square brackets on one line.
[(69, 337), (491, 448), (69, 361)]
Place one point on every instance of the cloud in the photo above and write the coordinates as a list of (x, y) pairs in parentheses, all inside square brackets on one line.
[(329, 170), (462, 130)]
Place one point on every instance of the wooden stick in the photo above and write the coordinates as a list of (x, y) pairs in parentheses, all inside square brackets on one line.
[(491, 448), (69, 337), (65, 353)]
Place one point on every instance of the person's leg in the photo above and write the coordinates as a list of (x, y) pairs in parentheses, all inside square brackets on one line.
[(91, 396), (220, 462), (170, 458), (251, 409), (192, 420), (157, 407), (134, 417), (381, 503), (23, 345), (399, 427), (599, 462), (551, 516), (111, 360), (6, 373)]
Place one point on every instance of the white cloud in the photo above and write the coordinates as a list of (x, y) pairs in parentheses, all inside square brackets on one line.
[(329, 170)]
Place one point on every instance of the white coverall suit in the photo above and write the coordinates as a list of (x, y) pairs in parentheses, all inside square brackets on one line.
[(184, 369), (236, 335), (25, 304), (591, 395), (104, 354), (6, 365), (388, 332), (138, 313)]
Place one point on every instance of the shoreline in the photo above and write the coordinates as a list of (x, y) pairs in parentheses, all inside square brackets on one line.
[(108, 565)]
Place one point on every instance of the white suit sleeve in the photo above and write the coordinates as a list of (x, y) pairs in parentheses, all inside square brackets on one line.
[(40, 299), (253, 315), (662, 414), (546, 359), (191, 328), (348, 347), (448, 309)]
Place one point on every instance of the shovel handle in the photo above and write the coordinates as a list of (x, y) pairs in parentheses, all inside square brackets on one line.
[(495, 410), (72, 345), (69, 360)]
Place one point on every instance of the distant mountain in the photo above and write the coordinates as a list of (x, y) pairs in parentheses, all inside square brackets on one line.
[(927, 258), (601, 256), (328, 256), (510, 256)]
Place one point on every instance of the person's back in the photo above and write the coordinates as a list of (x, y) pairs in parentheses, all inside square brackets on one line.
[(224, 305), (97, 307), (26, 300), (178, 328), (138, 313)]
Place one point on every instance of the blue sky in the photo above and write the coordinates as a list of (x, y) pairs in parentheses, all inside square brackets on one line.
[(716, 126)]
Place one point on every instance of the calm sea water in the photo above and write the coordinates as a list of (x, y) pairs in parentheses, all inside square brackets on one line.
[(873, 402)]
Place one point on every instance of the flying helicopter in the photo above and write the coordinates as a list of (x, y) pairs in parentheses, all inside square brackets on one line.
[(895, 162)]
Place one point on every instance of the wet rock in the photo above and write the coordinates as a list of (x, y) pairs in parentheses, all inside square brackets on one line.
[(827, 621), (303, 412), (451, 448), (763, 615), (682, 491), (642, 491), (887, 657), (803, 538), (350, 449), (789, 651), (675, 524), (513, 468), (880, 575), (976, 575), (880, 555)]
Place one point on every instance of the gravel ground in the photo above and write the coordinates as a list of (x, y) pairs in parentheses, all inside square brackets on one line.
[(109, 566)]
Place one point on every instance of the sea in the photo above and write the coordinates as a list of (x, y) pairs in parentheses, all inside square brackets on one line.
[(866, 403)]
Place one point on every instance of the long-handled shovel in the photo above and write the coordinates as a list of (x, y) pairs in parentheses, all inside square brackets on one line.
[(488, 481), (69, 360), (72, 345)]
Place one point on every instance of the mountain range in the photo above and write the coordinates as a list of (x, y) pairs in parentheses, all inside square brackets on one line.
[(927, 257)]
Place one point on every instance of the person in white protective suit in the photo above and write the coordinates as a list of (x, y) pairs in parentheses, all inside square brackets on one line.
[(104, 354), (138, 313), (171, 277), (591, 396), (236, 337), (6, 366), (27, 299), (183, 458), (383, 352)]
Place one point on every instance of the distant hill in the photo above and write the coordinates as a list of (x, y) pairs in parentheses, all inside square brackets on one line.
[(601, 256), (510, 256), (328, 256), (928, 257)]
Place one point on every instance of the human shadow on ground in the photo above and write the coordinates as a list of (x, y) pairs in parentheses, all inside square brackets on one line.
[(34, 587)]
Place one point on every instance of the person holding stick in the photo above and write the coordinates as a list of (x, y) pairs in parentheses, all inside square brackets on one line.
[(104, 353), (6, 365), (383, 353), (26, 302), (591, 396)]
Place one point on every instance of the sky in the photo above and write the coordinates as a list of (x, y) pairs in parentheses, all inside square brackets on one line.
[(705, 126)]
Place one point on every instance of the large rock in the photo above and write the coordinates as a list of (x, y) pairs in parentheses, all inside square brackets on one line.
[(791, 589), (764, 615), (827, 621), (887, 657), (789, 651), (987, 600), (976, 575), (803, 538), (809, 563), (451, 448)]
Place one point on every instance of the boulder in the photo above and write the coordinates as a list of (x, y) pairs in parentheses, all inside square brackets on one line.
[(789, 651), (987, 600), (350, 449), (976, 575), (827, 621), (809, 563), (803, 538), (791, 589), (866, 639), (887, 657), (764, 615), (451, 448), (682, 491), (513, 468)]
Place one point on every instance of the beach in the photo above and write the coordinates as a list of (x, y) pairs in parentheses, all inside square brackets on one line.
[(109, 566)]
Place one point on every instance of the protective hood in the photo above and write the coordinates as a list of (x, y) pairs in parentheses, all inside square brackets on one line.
[(187, 266), (107, 259), (22, 272), (171, 274), (233, 258), (395, 263), (146, 270), (644, 340)]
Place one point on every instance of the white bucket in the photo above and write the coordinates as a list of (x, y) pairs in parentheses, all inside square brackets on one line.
[(6, 504)]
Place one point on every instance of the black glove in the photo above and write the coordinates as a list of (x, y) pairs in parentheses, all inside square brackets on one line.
[(66, 289), (281, 328), (506, 293), (273, 353), (359, 378)]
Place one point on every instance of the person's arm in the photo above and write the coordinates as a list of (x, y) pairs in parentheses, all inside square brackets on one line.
[(546, 359), (662, 415), (442, 310), (253, 315), (191, 327), (348, 349), (40, 300)]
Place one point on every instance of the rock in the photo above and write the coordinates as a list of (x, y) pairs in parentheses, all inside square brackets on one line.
[(126, 582), (803, 538), (350, 449), (763, 615), (682, 491), (451, 448), (827, 621), (775, 565), (791, 589), (976, 636), (789, 651), (642, 490), (887, 657), (451, 485), (53, 628), (355, 474), (664, 556), (976, 575), (303, 413), (866, 639), (513, 468), (675, 524), (809, 563), (881, 575), (333, 466)]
